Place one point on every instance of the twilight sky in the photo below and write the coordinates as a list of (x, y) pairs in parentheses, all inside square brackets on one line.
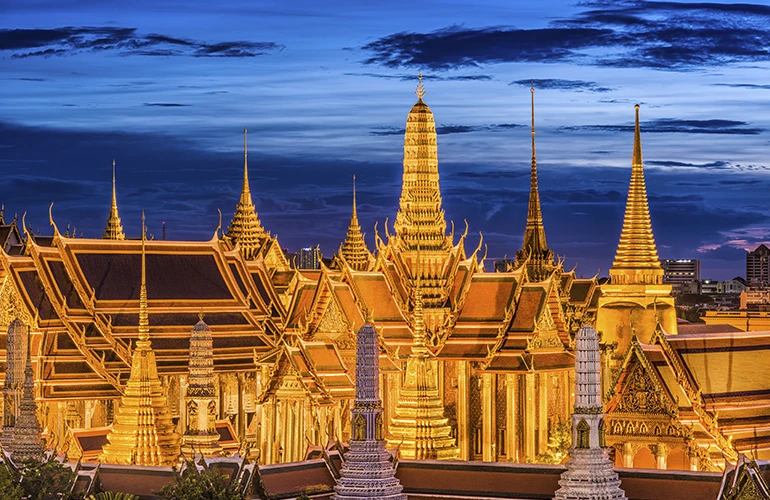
[(165, 88)]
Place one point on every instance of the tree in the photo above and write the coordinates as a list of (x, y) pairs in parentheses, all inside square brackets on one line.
[(559, 441), (209, 484), (36, 480)]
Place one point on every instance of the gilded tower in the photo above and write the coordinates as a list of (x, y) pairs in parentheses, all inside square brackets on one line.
[(419, 426), (142, 432), (27, 440), (420, 221), (368, 471), (534, 249), (201, 435), (636, 299), (245, 229), (114, 229), (353, 249)]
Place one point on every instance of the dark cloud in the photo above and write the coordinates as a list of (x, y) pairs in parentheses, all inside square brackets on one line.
[(714, 165), (492, 174), (723, 252), (661, 35), (166, 104), (557, 84), (405, 77), (449, 129), (125, 41), (30, 79), (677, 126), (743, 85)]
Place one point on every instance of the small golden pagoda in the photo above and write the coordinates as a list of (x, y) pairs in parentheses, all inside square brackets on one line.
[(419, 427), (353, 250), (245, 229), (534, 252), (142, 432), (635, 300), (114, 229)]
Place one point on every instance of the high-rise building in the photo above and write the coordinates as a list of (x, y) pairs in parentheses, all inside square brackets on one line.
[(309, 258), (682, 274), (758, 266)]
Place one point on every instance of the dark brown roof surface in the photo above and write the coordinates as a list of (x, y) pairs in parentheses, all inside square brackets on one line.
[(702, 328), (66, 287), (37, 295), (182, 319), (118, 276), (578, 292), (527, 309)]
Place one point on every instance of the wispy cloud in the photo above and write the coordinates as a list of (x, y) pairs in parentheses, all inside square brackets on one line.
[(405, 77), (558, 84), (677, 126), (450, 129), (125, 41), (166, 104)]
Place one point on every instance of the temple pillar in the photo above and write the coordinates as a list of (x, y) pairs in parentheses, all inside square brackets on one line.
[(463, 392), (529, 418), (661, 454), (89, 413), (694, 462), (542, 413), (628, 455), (241, 417), (488, 431), (511, 448)]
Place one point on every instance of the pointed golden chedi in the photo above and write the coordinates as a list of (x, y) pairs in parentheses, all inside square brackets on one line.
[(27, 440), (635, 300), (636, 260), (245, 229), (534, 249), (114, 229), (419, 427), (354, 249), (142, 432)]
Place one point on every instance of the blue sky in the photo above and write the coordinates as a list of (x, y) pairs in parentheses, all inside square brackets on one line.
[(166, 87)]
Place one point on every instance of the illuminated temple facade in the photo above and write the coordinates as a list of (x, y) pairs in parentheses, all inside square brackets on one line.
[(473, 364)]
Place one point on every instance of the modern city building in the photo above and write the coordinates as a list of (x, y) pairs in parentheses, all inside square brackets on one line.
[(682, 274), (758, 266)]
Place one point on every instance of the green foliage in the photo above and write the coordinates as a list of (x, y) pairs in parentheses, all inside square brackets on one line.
[(559, 441), (35, 480), (108, 495), (9, 484), (207, 485), (303, 497)]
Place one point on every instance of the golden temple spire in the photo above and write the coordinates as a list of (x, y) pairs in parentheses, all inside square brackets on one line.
[(142, 432), (245, 228), (144, 317), (636, 260), (354, 249), (246, 190), (534, 249), (114, 229), (420, 219)]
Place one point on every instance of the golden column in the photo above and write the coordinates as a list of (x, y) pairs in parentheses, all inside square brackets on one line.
[(114, 229), (142, 432), (245, 228), (201, 435), (419, 426), (636, 299)]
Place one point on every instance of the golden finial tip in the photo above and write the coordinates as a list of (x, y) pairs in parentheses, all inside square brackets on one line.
[(420, 92), (636, 106), (201, 315)]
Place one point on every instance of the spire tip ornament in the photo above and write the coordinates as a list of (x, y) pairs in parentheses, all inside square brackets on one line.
[(420, 92)]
